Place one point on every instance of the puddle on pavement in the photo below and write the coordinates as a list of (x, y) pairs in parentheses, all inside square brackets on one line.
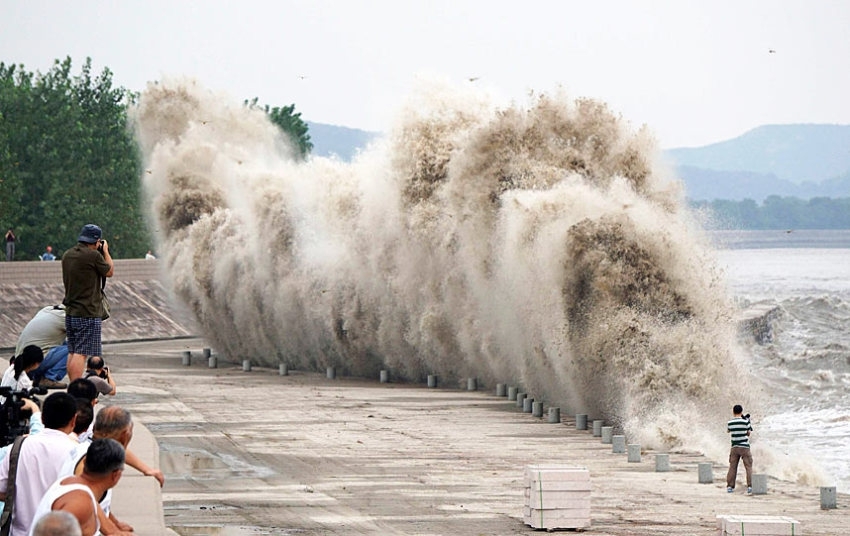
[(186, 462), (195, 530)]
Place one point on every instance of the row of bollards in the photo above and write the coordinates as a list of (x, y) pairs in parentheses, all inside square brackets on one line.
[(527, 404), (212, 360), (633, 451)]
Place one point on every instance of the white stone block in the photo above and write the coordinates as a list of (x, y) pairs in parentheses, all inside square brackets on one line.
[(549, 473), (557, 519), (558, 500), (559, 485), (755, 525)]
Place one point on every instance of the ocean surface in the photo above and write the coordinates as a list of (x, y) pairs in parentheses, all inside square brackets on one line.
[(806, 368)]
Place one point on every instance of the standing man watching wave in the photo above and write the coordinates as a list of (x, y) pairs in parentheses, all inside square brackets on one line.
[(84, 269), (740, 428)]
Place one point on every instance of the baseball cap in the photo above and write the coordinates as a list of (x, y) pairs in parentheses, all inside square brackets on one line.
[(90, 233)]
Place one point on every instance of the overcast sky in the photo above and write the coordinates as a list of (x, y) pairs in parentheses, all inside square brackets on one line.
[(695, 72)]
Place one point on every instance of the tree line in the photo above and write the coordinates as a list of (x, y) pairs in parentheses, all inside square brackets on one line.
[(778, 213), (67, 158)]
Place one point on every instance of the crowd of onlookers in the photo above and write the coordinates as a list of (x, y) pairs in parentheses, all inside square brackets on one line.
[(69, 462), (57, 477)]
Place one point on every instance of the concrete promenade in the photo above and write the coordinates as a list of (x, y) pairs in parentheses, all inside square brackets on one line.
[(249, 453)]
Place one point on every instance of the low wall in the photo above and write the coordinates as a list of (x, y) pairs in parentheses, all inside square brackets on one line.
[(141, 306)]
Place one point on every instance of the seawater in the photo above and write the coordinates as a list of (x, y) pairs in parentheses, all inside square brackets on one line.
[(806, 368), (543, 244)]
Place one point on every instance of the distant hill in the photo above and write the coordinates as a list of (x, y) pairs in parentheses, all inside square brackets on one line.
[(344, 142), (708, 184), (795, 153), (802, 160)]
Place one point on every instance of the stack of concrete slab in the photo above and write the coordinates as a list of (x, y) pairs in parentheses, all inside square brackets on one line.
[(735, 525), (557, 497)]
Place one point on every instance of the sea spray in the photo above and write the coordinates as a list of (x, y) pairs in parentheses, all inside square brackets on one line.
[(544, 245)]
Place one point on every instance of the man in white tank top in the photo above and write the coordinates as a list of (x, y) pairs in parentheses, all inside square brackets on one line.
[(76, 494)]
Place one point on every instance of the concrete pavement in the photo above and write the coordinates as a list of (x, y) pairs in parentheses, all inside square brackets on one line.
[(249, 453)]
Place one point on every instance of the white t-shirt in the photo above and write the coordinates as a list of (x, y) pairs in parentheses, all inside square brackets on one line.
[(23, 381), (45, 330)]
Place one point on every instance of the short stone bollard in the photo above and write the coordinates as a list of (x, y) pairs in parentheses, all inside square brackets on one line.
[(501, 390), (554, 416), (537, 409), (526, 404), (331, 373), (520, 399), (207, 353), (597, 427), (607, 433), (662, 463), (581, 421), (472, 384), (246, 365), (512, 392), (759, 484), (283, 369), (705, 474), (212, 361), (385, 376), (618, 444), (828, 498), (432, 381), (634, 453), (187, 358)]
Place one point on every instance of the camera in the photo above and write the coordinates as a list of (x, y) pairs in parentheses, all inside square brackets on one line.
[(747, 416), (13, 421), (104, 373)]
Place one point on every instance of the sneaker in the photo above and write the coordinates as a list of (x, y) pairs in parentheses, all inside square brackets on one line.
[(749, 491), (50, 384), (730, 490)]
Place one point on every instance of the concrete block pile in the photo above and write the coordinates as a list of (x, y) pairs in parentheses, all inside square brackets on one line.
[(737, 525), (557, 497)]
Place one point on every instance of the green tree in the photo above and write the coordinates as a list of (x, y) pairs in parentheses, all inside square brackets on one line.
[(69, 159), (290, 123)]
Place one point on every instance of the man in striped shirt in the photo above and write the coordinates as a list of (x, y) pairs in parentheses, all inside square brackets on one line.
[(740, 429)]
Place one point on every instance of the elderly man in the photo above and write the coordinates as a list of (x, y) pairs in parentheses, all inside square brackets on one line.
[(116, 423), (85, 268), (77, 494)]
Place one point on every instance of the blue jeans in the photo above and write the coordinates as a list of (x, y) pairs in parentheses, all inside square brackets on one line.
[(54, 367)]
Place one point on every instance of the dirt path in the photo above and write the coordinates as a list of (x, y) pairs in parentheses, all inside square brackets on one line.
[(258, 453)]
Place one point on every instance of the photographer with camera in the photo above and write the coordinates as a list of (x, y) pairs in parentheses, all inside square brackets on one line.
[(85, 268), (15, 377), (98, 373), (740, 428)]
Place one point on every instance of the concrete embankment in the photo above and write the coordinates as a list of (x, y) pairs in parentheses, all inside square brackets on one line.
[(140, 304)]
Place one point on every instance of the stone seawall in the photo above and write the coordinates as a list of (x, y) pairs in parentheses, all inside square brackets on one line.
[(758, 322), (141, 306)]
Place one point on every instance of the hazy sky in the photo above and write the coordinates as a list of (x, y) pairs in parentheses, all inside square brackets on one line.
[(695, 72)]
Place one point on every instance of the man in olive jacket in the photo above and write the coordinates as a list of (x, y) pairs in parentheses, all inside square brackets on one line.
[(84, 269)]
